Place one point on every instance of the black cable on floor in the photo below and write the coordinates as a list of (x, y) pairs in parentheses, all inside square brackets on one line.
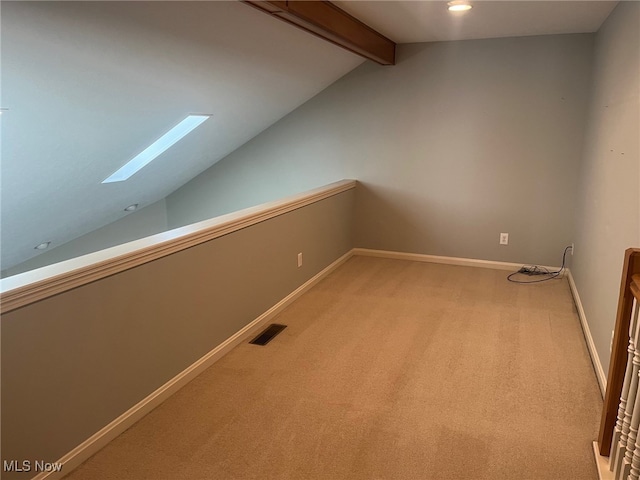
[(534, 270)]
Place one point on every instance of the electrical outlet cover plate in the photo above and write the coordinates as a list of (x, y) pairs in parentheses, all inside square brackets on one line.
[(504, 239)]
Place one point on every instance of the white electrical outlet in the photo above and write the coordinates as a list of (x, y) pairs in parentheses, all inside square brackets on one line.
[(573, 247), (504, 239), (299, 259)]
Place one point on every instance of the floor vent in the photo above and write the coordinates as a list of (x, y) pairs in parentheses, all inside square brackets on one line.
[(268, 334)]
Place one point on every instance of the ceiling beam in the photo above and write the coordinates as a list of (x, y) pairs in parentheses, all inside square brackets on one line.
[(324, 19)]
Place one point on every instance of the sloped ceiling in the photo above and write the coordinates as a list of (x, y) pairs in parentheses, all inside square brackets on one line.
[(89, 85)]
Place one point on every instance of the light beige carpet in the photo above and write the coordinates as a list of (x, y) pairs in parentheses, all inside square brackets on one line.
[(388, 370)]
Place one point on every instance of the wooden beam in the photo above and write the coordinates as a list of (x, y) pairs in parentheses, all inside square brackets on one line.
[(618, 362), (327, 21)]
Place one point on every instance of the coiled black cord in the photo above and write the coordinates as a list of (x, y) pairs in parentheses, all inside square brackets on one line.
[(534, 270)]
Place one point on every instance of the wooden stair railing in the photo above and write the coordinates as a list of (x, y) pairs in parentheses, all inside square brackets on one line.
[(623, 351)]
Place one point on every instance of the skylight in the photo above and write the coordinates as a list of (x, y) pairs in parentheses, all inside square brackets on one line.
[(157, 148)]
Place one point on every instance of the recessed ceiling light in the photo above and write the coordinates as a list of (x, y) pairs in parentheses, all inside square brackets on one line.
[(42, 246), (156, 148), (131, 208), (459, 6)]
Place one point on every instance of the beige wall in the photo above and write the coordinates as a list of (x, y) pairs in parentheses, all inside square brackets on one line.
[(608, 219), (147, 221), (74, 362), (458, 142)]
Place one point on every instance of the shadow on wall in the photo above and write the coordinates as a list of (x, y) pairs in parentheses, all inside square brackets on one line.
[(383, 221)]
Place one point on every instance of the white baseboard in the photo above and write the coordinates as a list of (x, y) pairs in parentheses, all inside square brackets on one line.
[(101, 438), (419, 257), (593, 353), (602, 464)]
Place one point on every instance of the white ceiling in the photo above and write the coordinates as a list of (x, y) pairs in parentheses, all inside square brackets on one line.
[(430, 21), (89, 85)]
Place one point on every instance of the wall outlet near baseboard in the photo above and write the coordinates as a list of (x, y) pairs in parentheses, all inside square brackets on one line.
[(573, 247), (504, 239), (299, 259)]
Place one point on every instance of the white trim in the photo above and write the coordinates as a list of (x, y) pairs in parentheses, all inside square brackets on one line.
[(593, 353), (419, 257), (101, 438), (25, 288), (602, 464)]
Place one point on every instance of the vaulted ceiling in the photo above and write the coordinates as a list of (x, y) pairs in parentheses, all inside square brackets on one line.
[(88, 85)]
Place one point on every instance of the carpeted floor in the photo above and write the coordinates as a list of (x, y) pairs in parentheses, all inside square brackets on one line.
[(388, 369)]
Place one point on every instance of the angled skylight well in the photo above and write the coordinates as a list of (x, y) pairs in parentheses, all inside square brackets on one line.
[(157, 148)]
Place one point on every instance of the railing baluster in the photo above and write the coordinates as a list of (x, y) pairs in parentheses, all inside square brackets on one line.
[(625, 469), (620, 449), (632, 455), (617, 432)]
